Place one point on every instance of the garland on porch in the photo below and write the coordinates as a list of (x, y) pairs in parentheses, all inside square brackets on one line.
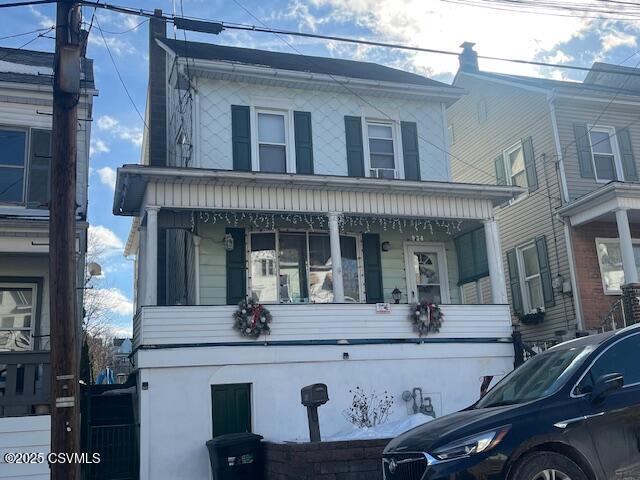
[(426, 317), (252, 319)]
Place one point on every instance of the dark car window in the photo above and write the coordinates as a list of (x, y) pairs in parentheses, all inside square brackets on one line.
[(540, 376), (622, 357)]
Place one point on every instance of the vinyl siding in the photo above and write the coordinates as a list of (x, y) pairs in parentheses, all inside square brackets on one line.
[(514, 114)]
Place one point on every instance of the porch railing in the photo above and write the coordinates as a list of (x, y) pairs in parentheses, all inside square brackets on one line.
[(25, 383), (614, 319)]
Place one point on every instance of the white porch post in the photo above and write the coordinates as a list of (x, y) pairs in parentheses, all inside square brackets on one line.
[(151, 257), (494, 259), (196, 267), (336, 258), (626, 247), (141, 294)]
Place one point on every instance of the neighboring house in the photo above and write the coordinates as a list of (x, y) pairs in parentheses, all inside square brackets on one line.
[(570, 145), (319, 187), (122, 348), (25, 163)]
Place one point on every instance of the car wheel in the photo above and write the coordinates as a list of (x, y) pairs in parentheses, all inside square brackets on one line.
[(547, 466)]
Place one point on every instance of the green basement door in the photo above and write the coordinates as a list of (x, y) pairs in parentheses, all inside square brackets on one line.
[(231, 408)]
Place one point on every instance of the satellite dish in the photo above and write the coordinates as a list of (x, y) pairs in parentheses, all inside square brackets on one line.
[(94, 269)]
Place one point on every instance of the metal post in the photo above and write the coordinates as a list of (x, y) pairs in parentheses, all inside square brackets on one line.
[(336, 258)]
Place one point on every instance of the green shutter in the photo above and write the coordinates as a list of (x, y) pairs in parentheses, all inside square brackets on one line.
[(530, 164), (471, 254), (481, 262), (501, 174), (410, 152), (583, 146), (39, 169), (355, 149), (304, 142), (626, 151), (241, 137), (514, 280), (231, 408), (372, 267), (236, 267), (545, 271)]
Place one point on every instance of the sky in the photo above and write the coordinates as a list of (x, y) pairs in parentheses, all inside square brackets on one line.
[(550, 36)]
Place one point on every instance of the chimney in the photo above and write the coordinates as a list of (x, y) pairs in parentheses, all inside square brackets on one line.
[(157, 133), (468, 58)]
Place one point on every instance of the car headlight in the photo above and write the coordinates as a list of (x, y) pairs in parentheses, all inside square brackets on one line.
[(472, 444)]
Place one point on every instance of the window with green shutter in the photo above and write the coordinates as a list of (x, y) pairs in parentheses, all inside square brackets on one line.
[(471, 251)]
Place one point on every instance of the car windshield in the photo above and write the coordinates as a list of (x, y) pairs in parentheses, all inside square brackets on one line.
[(542, 375)]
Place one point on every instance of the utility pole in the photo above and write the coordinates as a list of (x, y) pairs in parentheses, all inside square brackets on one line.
[(65, 408)]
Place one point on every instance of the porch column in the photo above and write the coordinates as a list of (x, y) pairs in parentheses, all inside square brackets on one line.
[(196, 268), (494, 259), (626, 247), (336, 258), (141, 294), (151, 257)]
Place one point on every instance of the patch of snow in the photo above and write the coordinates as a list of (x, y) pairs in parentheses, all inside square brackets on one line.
[(386, 430), (10, 67)]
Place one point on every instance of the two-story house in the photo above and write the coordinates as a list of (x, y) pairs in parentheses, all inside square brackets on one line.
[(319, 188), (25, 164), (571, 146)]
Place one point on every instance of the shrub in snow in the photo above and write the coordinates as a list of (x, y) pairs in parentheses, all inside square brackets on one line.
[(367, 411)]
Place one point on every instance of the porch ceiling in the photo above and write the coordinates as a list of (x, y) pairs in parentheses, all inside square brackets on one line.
[(204, 189), (602, 203)]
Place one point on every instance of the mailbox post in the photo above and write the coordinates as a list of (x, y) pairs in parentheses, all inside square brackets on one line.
[(312, 397)]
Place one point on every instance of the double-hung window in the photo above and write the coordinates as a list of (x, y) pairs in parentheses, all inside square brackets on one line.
[(17, 316), (610, 260), (382, 162), (515, 167), (272, 141), (606, 162), (13, 165), (530, 278)]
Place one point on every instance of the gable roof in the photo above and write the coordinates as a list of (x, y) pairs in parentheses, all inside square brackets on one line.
[(299, 63), (36, 68)]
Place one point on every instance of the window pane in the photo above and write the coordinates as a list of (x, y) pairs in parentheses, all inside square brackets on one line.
[(605, 167), (535, 293), (611, 265), (380, 131), (430, 293), (600, 142), (264, 282), (516, 161), (12, 148), (321, 286), (426, 268), (270, 128), (15, 340), (380, 146), (350, 269), (16, 313), (273, 158), (293, 268), (11, 185), (623, 357), (530, 261), (382, 161), (519, 180)]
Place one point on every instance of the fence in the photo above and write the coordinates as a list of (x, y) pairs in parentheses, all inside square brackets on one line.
[(25, 383)]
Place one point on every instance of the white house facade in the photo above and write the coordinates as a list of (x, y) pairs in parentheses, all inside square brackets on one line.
[(318, 189)]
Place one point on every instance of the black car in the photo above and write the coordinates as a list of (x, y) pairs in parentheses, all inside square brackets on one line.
[(570, 413)]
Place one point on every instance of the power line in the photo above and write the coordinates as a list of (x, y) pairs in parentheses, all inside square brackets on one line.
[(40, 35), (45, 30), (26, 4)]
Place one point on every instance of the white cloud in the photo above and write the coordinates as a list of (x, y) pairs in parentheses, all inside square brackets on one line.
[(117, 46), (97, 147), (109, 124), (615, 39), (113, 299), (44, 21), (103, 241), (107, 176)]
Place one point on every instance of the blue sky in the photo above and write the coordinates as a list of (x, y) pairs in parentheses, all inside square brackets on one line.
[(440, 24)]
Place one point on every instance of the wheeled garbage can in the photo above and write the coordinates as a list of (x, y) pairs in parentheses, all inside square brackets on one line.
[(236, 456)]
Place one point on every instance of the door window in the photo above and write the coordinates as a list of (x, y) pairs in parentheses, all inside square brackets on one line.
[(264, 280), (17, 308), (293, 272), (427, 274)]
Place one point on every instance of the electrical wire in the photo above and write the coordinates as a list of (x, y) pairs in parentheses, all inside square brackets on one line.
[(29, 42), (26, 4), (45, 30)]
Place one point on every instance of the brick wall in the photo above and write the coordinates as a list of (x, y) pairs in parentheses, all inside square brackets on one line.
[(595, 303), (349, 460)]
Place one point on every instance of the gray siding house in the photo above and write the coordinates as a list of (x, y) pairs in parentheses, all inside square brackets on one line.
[(570, 145)]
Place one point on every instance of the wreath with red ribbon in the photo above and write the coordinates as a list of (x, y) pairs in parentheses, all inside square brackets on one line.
[(252, 319), (426, 317)]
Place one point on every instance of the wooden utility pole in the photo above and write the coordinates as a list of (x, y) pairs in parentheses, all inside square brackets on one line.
[(65, 408)]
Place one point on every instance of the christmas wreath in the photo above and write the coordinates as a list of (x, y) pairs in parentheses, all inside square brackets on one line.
[(426, 317), (252, 319)]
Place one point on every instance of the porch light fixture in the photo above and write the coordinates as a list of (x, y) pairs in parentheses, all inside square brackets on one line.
[(228, 242), (385, 246), (396, 294)]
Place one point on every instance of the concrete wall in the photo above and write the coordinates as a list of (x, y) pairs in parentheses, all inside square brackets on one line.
[(25, 434)]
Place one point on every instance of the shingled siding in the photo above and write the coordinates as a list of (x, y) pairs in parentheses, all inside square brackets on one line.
[(351, 460), (514, 114)]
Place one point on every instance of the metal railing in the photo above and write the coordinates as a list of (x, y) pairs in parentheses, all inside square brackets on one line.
[(614, 318), (25, 383)]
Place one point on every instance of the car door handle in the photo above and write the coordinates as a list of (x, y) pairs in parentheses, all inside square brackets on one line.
[(565, 423)]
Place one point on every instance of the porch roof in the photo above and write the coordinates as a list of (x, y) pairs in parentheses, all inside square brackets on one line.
[(602, 203), (138, 186)]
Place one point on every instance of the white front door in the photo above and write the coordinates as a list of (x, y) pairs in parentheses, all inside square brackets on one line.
[(427, 272)]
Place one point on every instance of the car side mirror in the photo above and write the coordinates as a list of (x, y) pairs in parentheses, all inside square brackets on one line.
[(605, 386)]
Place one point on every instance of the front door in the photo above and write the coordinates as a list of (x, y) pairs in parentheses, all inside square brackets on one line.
[(427, 273), (231, 408)]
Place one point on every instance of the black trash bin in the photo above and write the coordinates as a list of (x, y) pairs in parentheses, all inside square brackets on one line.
[(236, 456)]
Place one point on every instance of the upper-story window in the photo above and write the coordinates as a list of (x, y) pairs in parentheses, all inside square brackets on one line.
[(530, 278), (606, 161), (272, 141), (382, 162), (13, 165), (516, 166)]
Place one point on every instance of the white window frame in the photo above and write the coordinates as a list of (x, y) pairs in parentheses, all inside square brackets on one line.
[(507, 163), (524, 291), (27, 155), (34, 308), (617, 158), (395, 138), (290, 161), (443, 269), (613, 240)]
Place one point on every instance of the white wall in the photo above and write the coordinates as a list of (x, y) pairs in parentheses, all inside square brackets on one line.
[(328, 109), (176, 409), (25, 434)]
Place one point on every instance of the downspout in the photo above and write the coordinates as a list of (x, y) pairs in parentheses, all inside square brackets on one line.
[(577, 304)]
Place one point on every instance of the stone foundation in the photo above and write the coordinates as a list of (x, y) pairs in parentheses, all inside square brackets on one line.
[(631, 302)]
